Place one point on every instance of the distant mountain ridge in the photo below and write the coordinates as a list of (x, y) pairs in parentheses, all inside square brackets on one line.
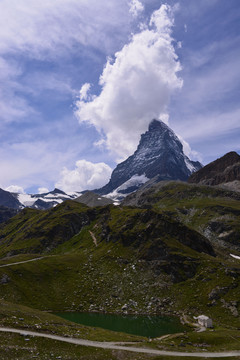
[(17, 201), (45, 200), (159, 154), (158, 157)]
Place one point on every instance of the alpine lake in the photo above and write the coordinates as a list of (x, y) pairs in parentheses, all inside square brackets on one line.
[(142, 325)]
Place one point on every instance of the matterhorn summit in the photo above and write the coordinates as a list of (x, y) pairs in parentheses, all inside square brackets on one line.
[(159, 155)]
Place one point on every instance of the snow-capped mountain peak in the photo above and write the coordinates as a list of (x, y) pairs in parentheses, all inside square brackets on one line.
[(159, 154), (45, 200)]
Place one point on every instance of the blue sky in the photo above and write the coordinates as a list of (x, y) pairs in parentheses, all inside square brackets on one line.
[(81, 79)]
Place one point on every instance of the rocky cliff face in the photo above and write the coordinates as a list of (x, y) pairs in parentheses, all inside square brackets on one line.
[(159, 154), (223, 170), (8, 200), (91, 199)]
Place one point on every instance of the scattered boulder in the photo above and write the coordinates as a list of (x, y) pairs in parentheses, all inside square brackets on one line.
[(218, 292), (4, 279), (232, 306)]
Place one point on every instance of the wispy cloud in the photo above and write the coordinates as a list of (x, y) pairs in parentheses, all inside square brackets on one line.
[(211, 125), (43, 28), (51, 32)]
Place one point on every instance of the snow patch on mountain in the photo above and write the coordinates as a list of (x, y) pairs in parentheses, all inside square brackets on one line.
[(26, 199), (190, 165), (133, 183), (44, 201)]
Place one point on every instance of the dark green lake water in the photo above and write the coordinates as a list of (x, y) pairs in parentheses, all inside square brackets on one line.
[(149, 326)]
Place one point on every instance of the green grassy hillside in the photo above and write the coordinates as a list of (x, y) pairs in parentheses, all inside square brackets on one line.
[(116, 259), (213, 212)]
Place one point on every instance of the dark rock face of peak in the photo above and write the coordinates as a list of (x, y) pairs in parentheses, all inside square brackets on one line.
[(8, 200), (156, 125), (159, 153), (57, 191), (222, 170)]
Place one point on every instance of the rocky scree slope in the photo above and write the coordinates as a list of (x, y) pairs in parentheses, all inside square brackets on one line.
[(91, 199), (159, 154), (223, 170)]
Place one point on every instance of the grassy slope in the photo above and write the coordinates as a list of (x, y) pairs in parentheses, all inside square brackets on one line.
[(129, 263), (77, 275), (213, 212), (23, 317)]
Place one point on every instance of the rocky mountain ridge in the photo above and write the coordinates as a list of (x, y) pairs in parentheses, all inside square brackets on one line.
[(223, 170), (91, 199), (212, 211), (19, 201), (159, 154)]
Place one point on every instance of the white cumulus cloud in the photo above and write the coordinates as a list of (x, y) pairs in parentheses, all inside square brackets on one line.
[(85, 176), (15, 189), (136, 85), (43, 190)]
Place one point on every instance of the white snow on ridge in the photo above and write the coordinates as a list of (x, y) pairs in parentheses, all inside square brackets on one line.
[(189, 165), (52, 196), (73, 194), (57, 196), (135, 180), (50, 200), (26, 199)]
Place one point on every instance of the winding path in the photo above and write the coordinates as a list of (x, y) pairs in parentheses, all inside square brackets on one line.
[(22, 262), (116, 346)]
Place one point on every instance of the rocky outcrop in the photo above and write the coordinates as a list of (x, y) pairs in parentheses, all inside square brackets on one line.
[(91, 199), (9, 200), (4, 279), (223, 170)]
